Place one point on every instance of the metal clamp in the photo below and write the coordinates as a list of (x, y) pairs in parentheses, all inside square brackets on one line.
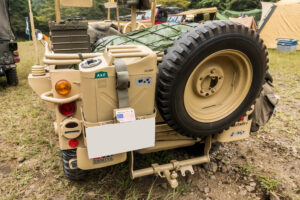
[(48, 96)]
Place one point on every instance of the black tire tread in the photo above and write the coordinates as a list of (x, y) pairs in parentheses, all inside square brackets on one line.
[(72, 174), (12, 77)]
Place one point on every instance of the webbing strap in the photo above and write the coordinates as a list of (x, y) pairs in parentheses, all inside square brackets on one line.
[(122, 83), (81, 57)]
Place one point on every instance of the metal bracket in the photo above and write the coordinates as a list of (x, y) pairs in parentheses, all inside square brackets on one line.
[(73, 163), (187, 168)]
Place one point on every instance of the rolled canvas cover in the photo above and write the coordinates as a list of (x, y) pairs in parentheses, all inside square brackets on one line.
[(283, 23), (224, 15), (247, 21), (5, 28), (76, 3)]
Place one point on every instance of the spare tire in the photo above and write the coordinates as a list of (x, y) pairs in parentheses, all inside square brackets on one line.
[(210, 78)]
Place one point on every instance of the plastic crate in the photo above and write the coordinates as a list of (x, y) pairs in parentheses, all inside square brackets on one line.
[(287, 45), (70, 36)]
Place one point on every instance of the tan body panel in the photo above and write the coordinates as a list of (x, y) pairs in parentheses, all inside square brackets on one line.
[(40, 84)]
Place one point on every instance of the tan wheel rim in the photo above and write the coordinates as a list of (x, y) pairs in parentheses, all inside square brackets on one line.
[(218, 85)]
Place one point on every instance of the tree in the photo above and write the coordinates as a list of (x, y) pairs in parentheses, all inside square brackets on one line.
[(243, 5), (174, 3), (18, 10)]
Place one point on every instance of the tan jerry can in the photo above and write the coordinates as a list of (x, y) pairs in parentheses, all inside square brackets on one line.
[(98, 82)]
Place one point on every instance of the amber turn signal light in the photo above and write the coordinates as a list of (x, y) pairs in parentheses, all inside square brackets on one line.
[(63, 87)]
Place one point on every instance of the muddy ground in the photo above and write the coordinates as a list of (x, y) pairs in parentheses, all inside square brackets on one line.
[(264, 166)]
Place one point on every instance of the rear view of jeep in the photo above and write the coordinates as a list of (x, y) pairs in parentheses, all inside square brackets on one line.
[(9, 55)]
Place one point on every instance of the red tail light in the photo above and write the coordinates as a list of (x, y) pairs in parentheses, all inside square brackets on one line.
[(73, 143), (16, 59), (67, 109)]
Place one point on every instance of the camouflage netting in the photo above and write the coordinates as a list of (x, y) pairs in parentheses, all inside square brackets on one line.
[(157, 38)]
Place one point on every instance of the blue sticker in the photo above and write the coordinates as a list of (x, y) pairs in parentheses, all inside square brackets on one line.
[(120, 116)]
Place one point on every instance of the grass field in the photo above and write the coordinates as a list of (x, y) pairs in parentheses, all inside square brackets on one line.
[(30, 164)]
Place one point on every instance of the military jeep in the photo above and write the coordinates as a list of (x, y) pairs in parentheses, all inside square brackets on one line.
[(130, 99), (9, 55)]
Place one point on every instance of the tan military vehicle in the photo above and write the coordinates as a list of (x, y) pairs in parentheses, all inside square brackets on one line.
[(124, 102)]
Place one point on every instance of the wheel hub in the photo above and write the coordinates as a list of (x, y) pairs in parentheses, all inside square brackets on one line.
[(209, 81), (218, 85)]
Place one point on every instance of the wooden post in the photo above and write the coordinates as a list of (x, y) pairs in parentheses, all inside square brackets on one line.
[(153, 12), (133, 18), (37, 60), (57, 10), (108, 10)]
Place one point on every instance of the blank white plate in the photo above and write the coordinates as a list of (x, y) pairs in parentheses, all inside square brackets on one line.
[(119, 138)]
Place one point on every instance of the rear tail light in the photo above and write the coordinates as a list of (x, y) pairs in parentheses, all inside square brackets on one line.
[(16, 59), (63, 87), (73, 143), (67, 109)]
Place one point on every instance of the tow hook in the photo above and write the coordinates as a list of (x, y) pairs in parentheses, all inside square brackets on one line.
[(169, 171)]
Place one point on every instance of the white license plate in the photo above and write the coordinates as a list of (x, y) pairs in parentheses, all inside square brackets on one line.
[(117, 138)]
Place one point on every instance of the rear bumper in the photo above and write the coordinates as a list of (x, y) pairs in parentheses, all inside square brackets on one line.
[(85, 163)]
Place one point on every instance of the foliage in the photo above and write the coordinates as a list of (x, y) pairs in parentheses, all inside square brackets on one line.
[(44, 10), (267, 183), (174, 3), (242, 5), (236, 5), (18, 11)]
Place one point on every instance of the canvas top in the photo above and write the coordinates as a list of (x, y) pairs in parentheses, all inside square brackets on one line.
[(5, 28)]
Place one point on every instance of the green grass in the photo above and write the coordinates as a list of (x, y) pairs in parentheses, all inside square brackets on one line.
[(26, 130), (267, 183)]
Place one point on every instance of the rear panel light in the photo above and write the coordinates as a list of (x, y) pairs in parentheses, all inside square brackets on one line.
[(67, 109)]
